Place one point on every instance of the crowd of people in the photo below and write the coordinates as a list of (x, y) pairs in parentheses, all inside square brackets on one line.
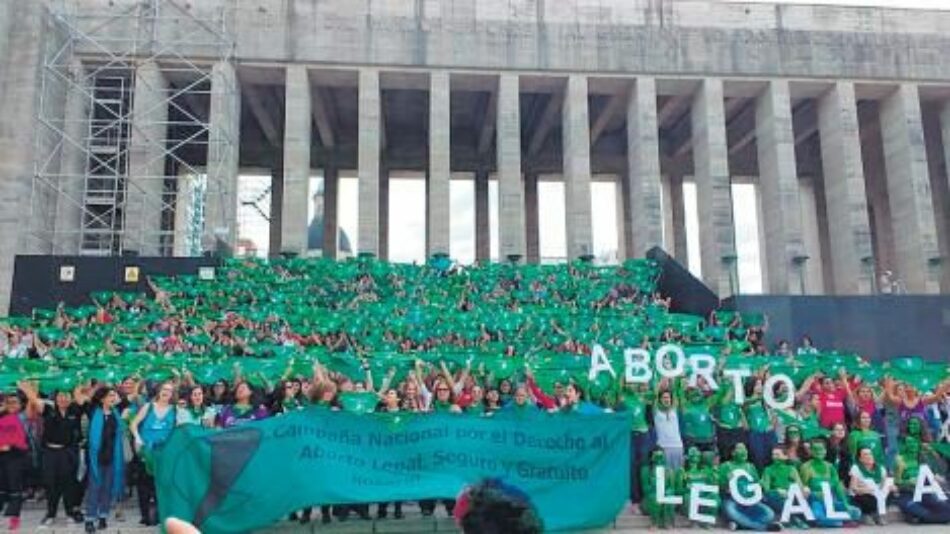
[(93, 391)]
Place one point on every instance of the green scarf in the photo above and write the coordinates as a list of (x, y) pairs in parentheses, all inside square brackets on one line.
[(874, 475)]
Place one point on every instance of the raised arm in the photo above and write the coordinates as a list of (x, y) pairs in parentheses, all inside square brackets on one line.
[(34, 404), (938, 394)]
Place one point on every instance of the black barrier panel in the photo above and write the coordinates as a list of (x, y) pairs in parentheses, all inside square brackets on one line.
[(37, 279), (688, 293), (878, 327)]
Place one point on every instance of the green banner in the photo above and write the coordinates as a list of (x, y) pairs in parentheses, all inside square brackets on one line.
[(574, 467)]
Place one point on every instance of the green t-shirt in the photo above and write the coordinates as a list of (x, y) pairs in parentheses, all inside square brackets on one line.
[(780, 476), (698, 423), (637, 409), (859, 439), (758, 417), (730, 416)]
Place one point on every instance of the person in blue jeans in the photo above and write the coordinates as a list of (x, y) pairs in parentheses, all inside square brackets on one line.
[(756, 516), (106, 460), (930, 509)]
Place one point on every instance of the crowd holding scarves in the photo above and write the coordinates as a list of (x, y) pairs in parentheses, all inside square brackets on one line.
[(94, 390)]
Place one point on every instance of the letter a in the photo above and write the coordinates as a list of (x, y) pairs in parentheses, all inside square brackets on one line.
[(796, 503), (927, 483), (599, 363)]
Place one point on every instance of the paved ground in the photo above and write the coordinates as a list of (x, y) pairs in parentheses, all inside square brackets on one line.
[(413, 523)]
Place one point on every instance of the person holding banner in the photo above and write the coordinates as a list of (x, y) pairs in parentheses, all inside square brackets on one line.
[(695, 474), (868, 480), (930, 509), (742, 474), (661, 514), (666, 422), (698, 428), (777, 480), (817, 475)]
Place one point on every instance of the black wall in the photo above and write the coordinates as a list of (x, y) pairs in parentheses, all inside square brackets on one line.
[(879, 327), (36, 278), (688, 293)]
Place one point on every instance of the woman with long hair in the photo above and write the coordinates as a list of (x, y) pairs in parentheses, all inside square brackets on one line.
[(243, 409), (106, 461), (866, 477), (195, 410), (150, 427)]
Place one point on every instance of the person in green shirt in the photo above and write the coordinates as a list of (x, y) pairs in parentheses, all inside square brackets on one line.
[(697, 424), (864, 436), (642, 439), (761, 427), (930, 510), (777, 478), (816, 471), (694, 472), (730, 421), (661, 515), (757, 516)]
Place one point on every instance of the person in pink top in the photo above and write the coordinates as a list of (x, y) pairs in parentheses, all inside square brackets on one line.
[(14, 458)]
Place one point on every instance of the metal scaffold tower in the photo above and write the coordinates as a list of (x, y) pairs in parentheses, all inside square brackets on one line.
[(124, 142)]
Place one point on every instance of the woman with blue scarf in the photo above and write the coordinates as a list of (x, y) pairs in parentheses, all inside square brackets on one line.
[(105, 458)]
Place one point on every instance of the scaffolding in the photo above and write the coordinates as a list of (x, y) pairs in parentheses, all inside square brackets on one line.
[(124, 128)]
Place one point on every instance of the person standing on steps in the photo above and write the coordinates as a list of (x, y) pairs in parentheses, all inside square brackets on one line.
[(106, 461)]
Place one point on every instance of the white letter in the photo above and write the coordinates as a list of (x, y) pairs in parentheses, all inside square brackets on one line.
[(830, 511), (926, 483), (768, 392), (661, 496), (737, 375), (734, 488), (702, 364), (696, 500), (599, 362), (880, 494), (679, 362), (639, 360), (796, 503)]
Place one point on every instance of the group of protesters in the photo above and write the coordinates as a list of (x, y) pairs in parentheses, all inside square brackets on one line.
[(96, 390)]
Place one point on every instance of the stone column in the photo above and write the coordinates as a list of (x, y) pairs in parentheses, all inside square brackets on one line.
[(224, 136), (369, 147), (848, 228), (575, 134), (69, 203), (532, 223), (438, 197), (276, 208), (623, 229), (811, 236), (383, 212), (643, 157), (713, 187), (908, 190), (945, 160), (668, 240), (298, 123), (511, 217), (482, 224), (778, 184), (331, 225), (143, 198), (680, 249)]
